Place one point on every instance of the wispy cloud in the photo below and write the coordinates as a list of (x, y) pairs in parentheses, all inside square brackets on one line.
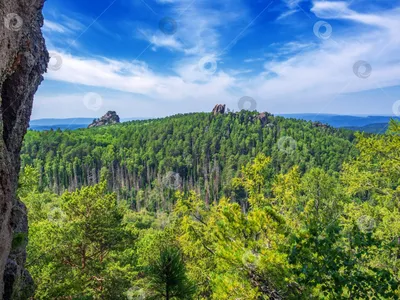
[(136, 77), (305, 70), (341, 10), (292, 3), (199, 25), (160, 40), (54, 27), (292, 7), (252, 60)]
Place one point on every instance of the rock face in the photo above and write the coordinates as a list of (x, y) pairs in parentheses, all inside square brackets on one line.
[(319, 124), (23, 60), (109, 118), (219, 109), (263, 117)]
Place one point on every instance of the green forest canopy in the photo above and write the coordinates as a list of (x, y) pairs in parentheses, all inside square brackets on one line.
[(281, 233), (144, 160)]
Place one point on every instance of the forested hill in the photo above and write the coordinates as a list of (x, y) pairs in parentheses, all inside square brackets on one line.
[(147, 159)]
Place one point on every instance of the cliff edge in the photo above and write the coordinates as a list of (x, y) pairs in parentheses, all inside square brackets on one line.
[(23, 60)]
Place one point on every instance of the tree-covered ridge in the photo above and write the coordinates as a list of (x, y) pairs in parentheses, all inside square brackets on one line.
[(292, 235), (205, 151)]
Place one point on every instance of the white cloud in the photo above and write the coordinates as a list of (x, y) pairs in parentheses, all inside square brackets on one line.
[(325, 72), (136, 77), (51, 26), (292, 3), (341, 10), (314, 71), (199, 25), (160, 40), (293, 7), (287, 14), (251, 60)]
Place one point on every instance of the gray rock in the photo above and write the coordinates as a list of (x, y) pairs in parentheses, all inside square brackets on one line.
[(23, 60), (109, 118), (219, 109)]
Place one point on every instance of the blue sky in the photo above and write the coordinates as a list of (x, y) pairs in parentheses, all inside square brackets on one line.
[(153, 58)]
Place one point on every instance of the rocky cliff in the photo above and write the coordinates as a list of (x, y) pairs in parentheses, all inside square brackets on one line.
[(219, 109), (23, 60), (109, 118)]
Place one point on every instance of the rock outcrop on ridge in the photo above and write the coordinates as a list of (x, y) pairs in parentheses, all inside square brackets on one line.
[(219, 109), (109, 118)]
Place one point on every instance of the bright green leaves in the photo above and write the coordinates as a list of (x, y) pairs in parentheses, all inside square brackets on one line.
[(241, 248), (301, 234), (373, 216), (77, 245)]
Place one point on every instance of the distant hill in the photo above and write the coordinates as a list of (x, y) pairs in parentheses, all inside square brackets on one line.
[(198, 151), (371, 124), (70, 123), (371, 128)]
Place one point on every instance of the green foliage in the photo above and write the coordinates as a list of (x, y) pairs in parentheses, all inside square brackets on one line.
[(248, 221), (166, 276), (206, 151), (78, 250)]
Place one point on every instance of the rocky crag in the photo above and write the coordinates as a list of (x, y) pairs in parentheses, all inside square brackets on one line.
[(109, 118), (23, 60), (219, 109), (263, 117)]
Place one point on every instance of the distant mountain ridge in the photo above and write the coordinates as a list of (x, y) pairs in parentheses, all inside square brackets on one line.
[(371, 124), (69, 123)]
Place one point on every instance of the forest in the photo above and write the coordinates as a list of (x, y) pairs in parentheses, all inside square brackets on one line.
[(201, 152), (200, 206)]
